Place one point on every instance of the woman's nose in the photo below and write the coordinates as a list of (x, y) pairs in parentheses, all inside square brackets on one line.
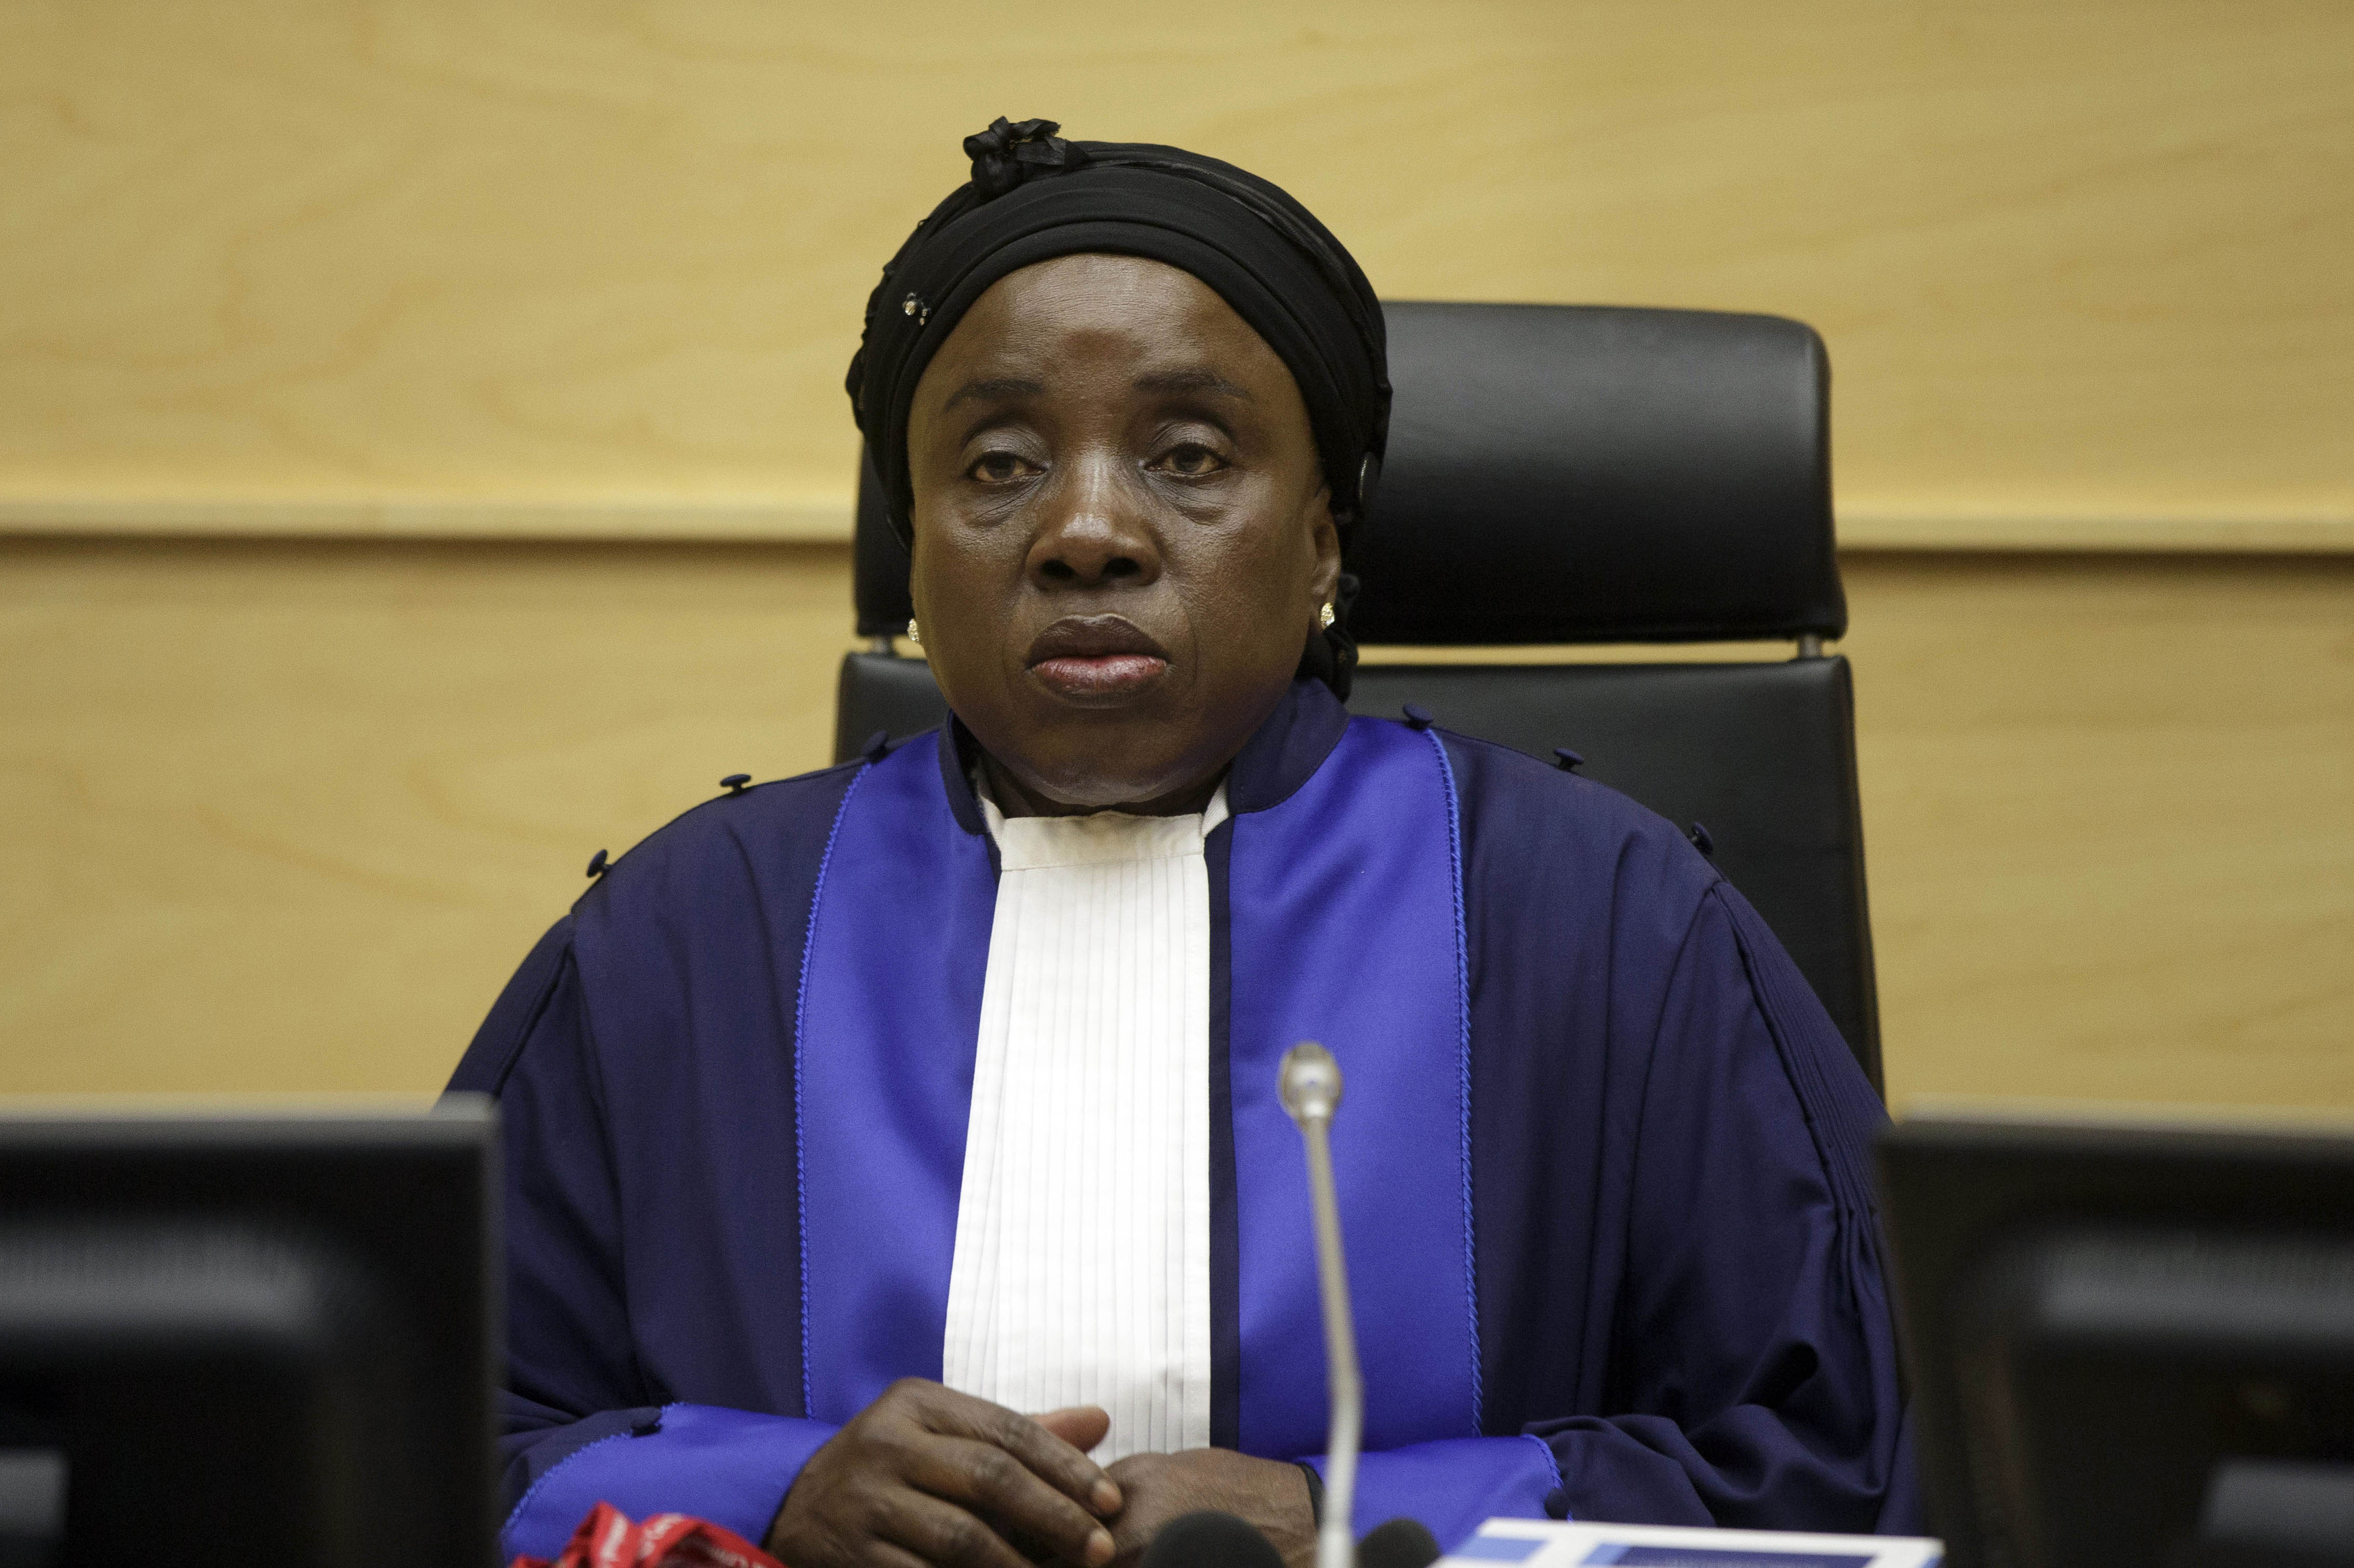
[(1094, 534)]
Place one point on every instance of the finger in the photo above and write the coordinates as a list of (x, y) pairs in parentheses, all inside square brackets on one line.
[(1081, 1425), (1046, 1456), (989, 1481), (941, 1533), (878, 1553)]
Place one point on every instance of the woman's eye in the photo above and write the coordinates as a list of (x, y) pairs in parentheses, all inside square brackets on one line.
[(998, 468), (1192, 462)]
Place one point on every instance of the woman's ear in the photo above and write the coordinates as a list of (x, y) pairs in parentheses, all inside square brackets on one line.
[(915, 578), (1324, 537)]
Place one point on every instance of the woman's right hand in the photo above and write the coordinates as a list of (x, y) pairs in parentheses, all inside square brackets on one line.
[(927, 1475)]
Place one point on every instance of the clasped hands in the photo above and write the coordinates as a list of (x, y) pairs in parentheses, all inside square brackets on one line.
[(927, 1475)]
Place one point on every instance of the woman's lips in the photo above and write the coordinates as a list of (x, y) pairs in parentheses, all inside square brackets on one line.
[(1096, 657), (1103, 676)]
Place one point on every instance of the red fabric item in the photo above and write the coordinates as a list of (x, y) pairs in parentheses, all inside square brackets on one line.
[(607, 1539)]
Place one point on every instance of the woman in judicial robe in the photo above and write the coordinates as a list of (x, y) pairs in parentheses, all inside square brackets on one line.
[(895, 1167)]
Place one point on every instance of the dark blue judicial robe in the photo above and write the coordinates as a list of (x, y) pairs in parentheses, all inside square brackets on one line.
[(1602, 1159)]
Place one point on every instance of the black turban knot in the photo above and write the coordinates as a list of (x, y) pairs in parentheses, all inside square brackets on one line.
[(1033, 196), (1003, 155)]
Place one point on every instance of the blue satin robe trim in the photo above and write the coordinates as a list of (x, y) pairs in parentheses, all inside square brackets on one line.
[(1343, 913), (1355, 876), (1453, 1485), (730, 1466), (889, 1012), (1463, 1070)]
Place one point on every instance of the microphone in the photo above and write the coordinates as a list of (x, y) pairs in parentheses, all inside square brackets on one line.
[(1311, 1090), (1398, 1543), (1210, 1539)]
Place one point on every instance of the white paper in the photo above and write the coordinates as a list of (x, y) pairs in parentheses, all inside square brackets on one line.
[(1541, 1543)]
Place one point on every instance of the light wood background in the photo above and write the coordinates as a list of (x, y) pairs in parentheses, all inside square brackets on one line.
[(286, 816), (565, 267), (422, 454)]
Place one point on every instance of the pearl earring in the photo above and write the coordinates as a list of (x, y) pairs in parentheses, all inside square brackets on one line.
[(915, 632)]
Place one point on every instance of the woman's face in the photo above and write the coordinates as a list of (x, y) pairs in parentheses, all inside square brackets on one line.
[(1122, 532)]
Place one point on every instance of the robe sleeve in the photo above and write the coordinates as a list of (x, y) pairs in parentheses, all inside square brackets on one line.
[(1755, 1357), (1454, 1484), (580, 1422), (1755, 1379)]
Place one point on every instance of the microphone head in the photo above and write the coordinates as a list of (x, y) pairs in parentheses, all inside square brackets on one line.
[(1210, 1539), (1398, 1543), (1310, 1085)]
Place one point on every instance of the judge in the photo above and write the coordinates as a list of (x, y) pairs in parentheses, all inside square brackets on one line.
[(895, 1166)]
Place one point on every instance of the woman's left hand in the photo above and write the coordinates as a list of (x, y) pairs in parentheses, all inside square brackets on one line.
[(1158, 1487)]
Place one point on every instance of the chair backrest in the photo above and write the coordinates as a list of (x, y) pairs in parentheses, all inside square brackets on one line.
[(1587, 474)]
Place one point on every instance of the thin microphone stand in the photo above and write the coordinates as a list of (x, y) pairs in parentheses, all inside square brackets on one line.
[(1310, 1088)]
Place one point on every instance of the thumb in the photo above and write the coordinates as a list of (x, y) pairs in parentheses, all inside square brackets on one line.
[(1081, 1425)]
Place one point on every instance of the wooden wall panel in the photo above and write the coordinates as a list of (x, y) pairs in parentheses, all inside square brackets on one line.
[(2109, 819), (553, 266), (285, 817), (284, 814)]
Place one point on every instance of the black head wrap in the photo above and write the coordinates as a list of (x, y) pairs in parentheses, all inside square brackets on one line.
[(1033, 196)]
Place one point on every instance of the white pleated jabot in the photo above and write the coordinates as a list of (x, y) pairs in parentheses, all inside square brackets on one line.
[(1082, 1265)]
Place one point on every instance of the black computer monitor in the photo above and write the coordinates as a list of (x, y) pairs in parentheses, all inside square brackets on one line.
[(2130, 1343), (250, 1340)]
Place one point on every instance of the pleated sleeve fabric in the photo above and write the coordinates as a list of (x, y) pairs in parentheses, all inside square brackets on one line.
[(1754, 1363), (642, 1062), (582, 1423), (1681, 1288)]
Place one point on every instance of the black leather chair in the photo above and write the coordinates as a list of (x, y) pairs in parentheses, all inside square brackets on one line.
[(1580, 474)]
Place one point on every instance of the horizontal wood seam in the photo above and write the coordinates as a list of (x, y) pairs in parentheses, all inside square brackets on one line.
[(824, 519)]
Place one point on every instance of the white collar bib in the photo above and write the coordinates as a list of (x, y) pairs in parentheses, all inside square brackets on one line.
[(1081, 1273)]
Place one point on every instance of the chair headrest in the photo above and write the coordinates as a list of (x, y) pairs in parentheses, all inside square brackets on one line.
[(1581, 473), (1571, 474)]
